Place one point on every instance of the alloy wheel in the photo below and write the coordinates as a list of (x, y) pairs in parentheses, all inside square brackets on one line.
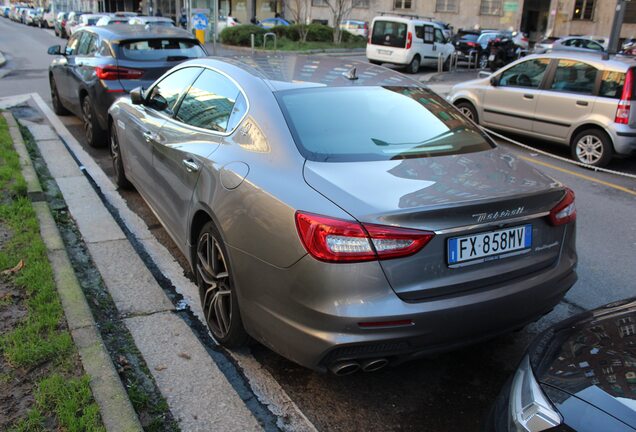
[(88, 119), (114, 152), (217, 289), (467, 112), (589, 149)]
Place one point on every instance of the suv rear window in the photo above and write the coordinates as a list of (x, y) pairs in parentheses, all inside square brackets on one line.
[(336, 124), (160, 49), (389, 33)]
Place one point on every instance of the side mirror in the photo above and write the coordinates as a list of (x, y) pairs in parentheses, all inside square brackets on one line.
[(494, 81), (158, 102), (137, 96), (55, 50)]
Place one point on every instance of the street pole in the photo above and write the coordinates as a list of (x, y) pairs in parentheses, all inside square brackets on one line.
[(617, 23), (215, 23)]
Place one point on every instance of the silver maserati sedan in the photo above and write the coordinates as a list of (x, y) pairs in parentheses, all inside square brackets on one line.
[(339, 212)]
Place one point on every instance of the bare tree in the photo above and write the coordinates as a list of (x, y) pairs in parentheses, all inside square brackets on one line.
[(299, 10), (340, 9)]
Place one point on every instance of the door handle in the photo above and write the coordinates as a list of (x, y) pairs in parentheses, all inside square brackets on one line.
[(149, 136), (582, 103), (190, 165), (528, 96)]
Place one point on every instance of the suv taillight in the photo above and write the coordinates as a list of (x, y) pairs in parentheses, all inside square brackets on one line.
[(625, 104), (111, 72), (565, 211), (409, 40), (336, 240)]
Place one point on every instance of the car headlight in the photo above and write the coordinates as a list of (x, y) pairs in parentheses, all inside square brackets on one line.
[(530, 410)]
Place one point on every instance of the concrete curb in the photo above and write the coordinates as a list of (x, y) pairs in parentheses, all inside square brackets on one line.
[(115, 407)]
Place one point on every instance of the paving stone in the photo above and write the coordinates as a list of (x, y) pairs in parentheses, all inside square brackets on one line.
[(199, 395), (93, 220), (58, 159), (129, 282)]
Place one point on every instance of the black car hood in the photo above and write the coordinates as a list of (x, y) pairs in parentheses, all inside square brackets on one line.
[(593, 357)]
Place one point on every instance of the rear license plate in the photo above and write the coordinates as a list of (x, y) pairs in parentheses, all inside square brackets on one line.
[(385, 52), (480, 247), (491, 57)]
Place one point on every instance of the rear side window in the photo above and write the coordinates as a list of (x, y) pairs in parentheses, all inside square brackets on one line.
[(342, 124), (389, 33), (575, 77), (160, 49), (209, 102), (612, 84)]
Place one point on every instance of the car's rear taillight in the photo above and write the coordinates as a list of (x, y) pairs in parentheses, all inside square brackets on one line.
[(471, 44), (111, 72), (336, 240), (409, 40), (565, 210), (625, 104)]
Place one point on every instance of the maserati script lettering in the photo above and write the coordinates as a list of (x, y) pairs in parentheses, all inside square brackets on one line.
[(485, 217)]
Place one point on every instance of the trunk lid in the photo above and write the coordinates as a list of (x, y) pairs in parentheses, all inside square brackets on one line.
[(453, 195)]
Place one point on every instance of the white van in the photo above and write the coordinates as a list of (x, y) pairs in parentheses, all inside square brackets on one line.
[(410, 41)]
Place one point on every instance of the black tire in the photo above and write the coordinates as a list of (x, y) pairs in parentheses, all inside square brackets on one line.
[(414, 66), (375, 62), (592, 147), (468, 110), (118, 164), (217, 291), (58, 108), (92, 132)]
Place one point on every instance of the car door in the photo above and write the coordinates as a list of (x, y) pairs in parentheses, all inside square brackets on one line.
[(144, 128), (63, 78), (568, 99), (441, 45), (198, 128), (510, 101), (82, 70), (427, 47)]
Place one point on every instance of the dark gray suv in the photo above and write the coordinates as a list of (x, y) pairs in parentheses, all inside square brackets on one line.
[(99, 64)]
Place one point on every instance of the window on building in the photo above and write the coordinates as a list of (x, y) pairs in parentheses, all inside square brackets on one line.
[(318, 3), (402, 4), (363, 4), (490, 7), (630, 12), (446, 6), (583, 10)]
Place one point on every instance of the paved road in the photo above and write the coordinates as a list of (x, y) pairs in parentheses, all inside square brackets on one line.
[(451, 392)]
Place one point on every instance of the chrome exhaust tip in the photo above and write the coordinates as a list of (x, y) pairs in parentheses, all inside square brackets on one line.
[(344, 368), (374, 365)]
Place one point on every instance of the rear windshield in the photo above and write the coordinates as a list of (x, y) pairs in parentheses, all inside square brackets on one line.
[(471, 37), (160, 49), (92, 21), (389, 33), (336, 124)]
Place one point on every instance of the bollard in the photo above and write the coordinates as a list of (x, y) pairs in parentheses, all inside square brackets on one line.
[(252, 42), (440, 63)]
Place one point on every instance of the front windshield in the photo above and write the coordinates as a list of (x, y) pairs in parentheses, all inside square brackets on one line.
[(339, 124)]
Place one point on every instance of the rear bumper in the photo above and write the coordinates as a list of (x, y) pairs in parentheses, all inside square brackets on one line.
[(624, 139), (397, 55), (310, 312)]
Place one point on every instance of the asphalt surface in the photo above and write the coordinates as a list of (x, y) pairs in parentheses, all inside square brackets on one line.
[(450, 392)]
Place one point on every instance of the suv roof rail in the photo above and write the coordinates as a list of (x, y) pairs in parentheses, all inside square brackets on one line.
[(407, 15)]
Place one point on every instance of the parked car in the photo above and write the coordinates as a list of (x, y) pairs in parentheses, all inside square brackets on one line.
[(48, 18), (29, 16), (85, 20), (59, 26), (355, 27), (554, 96), (5, 11), (72, 22), (226, 21), (411, 42), (153, 21), (283, 190), (112, 19), (545, 45), (269, 23), (579, 375), (578, 43), (99, 64)]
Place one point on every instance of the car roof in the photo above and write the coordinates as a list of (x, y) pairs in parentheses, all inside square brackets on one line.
[(614, 63), (117, 32), (287, 72), (151, 18)]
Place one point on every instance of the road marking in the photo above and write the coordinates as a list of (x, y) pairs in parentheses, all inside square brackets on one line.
[(583, 176)]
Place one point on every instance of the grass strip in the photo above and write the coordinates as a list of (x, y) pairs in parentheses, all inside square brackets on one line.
[(40, 339)]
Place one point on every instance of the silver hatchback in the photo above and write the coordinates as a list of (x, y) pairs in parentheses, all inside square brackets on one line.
[(577, 99), (339, 212)]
